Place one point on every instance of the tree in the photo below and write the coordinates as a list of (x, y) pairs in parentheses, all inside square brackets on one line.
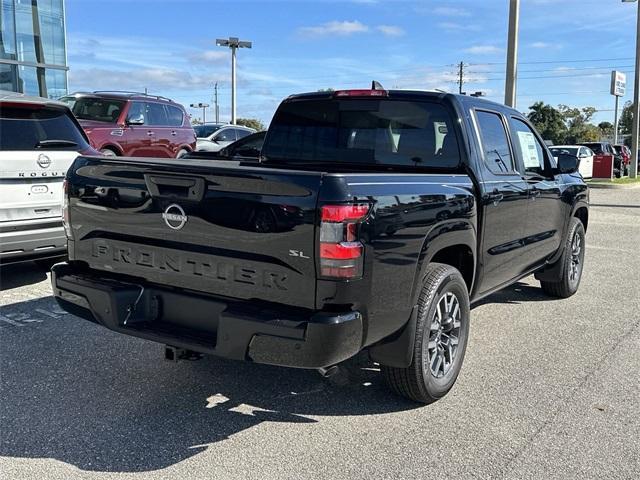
[(196, 121), (626, 119), (548, 121), (578, 127), (606, 128), (254, 123)]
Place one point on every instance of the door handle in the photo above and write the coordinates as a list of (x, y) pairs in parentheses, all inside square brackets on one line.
[(149, 133), (496, 197), (174, 133)]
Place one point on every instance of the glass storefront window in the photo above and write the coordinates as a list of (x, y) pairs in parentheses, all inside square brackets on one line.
[(25, 38), (8, 77), (7, 30), (51, 19), (56, 83), (28, 80)]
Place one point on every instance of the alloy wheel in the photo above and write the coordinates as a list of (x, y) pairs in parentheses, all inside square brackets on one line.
[(444, 334)]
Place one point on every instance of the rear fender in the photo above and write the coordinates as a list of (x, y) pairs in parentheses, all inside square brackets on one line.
[(396, 350)]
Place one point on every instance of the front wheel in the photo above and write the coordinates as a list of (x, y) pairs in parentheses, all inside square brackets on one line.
[(442, 330), (570, 265), (107, 152)]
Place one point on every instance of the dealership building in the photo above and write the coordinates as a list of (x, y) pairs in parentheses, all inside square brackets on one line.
[(33, 50)]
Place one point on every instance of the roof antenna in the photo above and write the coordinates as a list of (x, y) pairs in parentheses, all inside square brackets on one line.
[(376, 86)]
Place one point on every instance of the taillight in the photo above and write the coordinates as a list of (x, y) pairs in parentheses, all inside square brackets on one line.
[(341, 252), (65, 208)]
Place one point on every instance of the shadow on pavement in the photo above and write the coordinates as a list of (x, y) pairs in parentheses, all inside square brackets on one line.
[(17, 275), (517, 293), (101, 401)]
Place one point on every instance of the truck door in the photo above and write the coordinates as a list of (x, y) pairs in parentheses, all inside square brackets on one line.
[(503, 198), (545, 210)]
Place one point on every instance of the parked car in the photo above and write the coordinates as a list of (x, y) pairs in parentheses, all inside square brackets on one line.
[(39, 139), (247, 148), (583, 154), (603, 150), (625, 153), (214, 137), (289, 262), (133, 124)]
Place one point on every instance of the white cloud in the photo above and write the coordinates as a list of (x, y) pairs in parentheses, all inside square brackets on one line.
[(545, 45), (483, 50), (137, 79), (208, 56), (451, 12), (390, 30), (457, 27), (335, 27)]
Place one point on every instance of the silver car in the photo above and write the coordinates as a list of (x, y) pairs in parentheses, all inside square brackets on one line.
[(39, 140), (213, 137)]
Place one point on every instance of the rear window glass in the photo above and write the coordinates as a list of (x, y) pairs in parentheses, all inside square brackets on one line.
[(203, 131), (23, 128), (174, 116), (363, 131), (596, 147), (96, 109)]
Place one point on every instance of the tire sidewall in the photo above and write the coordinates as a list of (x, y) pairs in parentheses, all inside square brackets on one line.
[(452, 282), (576, 227)]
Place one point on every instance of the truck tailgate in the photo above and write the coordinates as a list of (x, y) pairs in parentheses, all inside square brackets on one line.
[(220, 228)]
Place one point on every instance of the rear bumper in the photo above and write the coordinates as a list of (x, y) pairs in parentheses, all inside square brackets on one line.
[(231, 329), (26, 241)]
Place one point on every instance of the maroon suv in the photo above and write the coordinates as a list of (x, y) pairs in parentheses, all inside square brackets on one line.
[(133, 124)]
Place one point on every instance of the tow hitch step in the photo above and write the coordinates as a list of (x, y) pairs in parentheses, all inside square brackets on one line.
[(175, 354)]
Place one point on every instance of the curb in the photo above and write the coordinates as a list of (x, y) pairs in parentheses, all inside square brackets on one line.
[(613, 186)]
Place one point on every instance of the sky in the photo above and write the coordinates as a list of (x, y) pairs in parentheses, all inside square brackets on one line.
[(567, 49)]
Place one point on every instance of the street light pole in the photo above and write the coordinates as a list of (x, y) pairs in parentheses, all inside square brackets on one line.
[(512, 54), (635, 131), (233, 43)]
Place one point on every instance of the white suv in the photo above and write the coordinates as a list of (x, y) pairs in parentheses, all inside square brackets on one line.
[(213, 137), (39, 140)]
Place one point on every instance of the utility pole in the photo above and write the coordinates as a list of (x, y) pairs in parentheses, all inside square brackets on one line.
[(215, 102), (512, 54), (460, 76), (233, 43)]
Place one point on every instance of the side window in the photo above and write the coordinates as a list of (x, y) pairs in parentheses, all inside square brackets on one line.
[(242, 133), (226, 135), (137, 110), (174, 116), (495, 143), (156, 114), (529, 148)]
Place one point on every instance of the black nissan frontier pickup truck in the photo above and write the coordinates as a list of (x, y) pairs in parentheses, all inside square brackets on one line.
[(372, 221)]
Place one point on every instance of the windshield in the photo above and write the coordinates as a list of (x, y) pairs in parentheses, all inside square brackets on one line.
[(25, 128), (203, 131), (567, 150), (363, 131), (96, 109)]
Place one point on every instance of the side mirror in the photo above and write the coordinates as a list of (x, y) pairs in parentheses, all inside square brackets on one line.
[(136, 120), (567, 163)]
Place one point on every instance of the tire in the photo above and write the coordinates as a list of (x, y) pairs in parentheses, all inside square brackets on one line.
[(428, 378), (107, 152), (181, 153), (570, 264)]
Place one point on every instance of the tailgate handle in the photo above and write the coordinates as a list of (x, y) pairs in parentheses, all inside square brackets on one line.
[(188, 188)]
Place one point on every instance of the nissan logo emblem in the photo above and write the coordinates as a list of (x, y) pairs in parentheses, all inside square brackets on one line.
[(174, 217), (44, 161)]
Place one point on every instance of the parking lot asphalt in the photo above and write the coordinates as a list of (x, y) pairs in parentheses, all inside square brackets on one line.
[(549, 389)]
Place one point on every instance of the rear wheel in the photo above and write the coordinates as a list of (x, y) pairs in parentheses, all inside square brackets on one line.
[(570, 264), (442, 330), (181, 153)]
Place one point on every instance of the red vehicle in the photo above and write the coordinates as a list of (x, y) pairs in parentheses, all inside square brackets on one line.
[(133, 124)]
